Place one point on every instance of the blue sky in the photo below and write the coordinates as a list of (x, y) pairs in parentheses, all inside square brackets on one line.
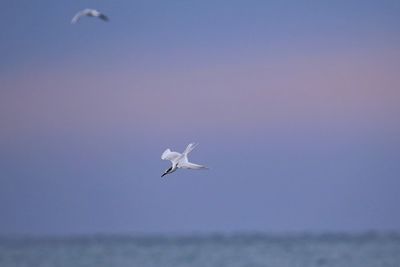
[(294, 104)]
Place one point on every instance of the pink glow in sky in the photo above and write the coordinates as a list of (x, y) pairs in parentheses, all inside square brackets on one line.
[(335, 89)]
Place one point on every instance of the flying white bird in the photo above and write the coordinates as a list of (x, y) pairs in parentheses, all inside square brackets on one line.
[(89, 13), (179, 160)]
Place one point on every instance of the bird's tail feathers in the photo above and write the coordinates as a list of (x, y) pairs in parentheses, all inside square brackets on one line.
[(189, 148)]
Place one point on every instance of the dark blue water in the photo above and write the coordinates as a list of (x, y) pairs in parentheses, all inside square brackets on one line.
[(303, 250)]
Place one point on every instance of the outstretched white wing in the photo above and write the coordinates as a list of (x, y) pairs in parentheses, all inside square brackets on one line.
[(189, 165), (78, 15), (170, 155)]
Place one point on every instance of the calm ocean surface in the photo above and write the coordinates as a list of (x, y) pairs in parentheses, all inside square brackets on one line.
[(303, 250)]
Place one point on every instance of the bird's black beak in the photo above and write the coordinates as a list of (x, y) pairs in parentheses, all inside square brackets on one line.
[(166, 172)]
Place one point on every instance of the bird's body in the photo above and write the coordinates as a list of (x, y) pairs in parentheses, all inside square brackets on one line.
[(180, 160), (89, 13)]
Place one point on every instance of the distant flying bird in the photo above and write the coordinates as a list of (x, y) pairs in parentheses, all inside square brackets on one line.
[(89, 13), (179, 160)]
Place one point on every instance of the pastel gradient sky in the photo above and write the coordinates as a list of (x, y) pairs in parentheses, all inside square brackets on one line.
[(295, 104)]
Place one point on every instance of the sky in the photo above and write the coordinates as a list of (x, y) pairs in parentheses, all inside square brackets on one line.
[(294, 104)]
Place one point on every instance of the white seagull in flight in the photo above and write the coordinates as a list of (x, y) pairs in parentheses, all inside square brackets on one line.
[(89, 13), (179, 160)]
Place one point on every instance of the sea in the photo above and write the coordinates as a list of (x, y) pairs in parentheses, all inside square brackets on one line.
[(199, 250)]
